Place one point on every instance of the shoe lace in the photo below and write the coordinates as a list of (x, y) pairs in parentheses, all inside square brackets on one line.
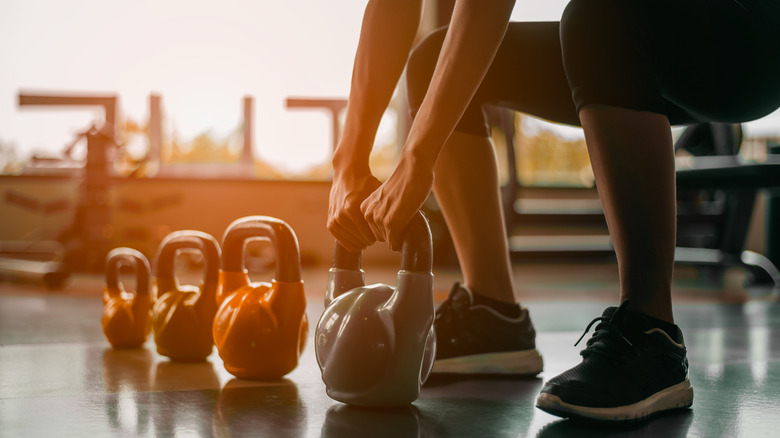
[(604, 338)]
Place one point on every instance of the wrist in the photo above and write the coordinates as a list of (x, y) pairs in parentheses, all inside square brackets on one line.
[(419, 157), (352, 163), (417, 162), (352, 153), (350, 168)]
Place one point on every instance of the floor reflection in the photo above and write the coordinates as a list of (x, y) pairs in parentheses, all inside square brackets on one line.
[(182, 413), (734, 402), (59, 384), (735, 370), (272, 409), (675, 425), (183, 376), (344, 421), (127, 369), (145, 392), (126, 372), (487, 406)]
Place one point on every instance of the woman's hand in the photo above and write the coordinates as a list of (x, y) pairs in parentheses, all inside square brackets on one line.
[(345, 220), (386, 37), (389, 209), (475, 33)]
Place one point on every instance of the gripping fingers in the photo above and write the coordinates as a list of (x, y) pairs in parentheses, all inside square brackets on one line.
[(364, 229), (354, 221), (395, 240), (344, 231), (345, 241), (373, 218)]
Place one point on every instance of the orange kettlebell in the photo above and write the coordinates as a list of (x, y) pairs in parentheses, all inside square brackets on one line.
[(183, 314), (126, 316), (260, 328)]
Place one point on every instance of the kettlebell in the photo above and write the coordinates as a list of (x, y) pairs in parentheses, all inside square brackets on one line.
[(260, 329), (375, 344), (183, 314), (126, 316)]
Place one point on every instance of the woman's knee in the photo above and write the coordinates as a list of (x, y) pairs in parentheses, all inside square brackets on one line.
[(420, 67), (593, 24), (608, 55)]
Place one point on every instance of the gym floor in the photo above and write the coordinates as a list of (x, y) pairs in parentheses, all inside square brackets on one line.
[(60, 377)]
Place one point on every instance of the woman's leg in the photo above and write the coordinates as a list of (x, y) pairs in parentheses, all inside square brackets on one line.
[(480, 328), (633, 161), (633, 66), (472, 209), (527, 75)]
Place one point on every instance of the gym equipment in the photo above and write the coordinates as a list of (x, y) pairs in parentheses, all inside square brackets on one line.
[(718, 194), (260, 328), (716, 199), (334, 106), (41, 261), (85, 243), (242, 169), (375, 344), (126, 316), (183, 314)]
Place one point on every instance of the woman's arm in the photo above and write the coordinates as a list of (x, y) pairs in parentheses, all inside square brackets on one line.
[(475, 33), (386, 38)]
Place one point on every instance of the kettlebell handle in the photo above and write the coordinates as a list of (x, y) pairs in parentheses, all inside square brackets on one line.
[(211, 255), (123, 256), (343, 259), (416, 252), (173, 242), (288, 258)]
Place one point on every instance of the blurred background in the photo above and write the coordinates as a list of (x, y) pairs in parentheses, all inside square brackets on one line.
[(202, 58), (219, 110)]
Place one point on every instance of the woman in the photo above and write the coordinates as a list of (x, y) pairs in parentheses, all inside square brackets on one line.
[(624, 70)]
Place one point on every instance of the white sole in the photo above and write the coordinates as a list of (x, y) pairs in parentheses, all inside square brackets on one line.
[(674, 397), (525, 362)]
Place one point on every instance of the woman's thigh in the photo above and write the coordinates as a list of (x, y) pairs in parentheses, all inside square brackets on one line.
[(693, 60), (718, 60), (526, 75)]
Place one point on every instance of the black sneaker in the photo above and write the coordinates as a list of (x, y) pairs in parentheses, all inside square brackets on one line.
[(475, 339), (630, 370)]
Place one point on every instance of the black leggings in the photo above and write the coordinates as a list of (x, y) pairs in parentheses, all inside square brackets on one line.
[(692, 60)]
